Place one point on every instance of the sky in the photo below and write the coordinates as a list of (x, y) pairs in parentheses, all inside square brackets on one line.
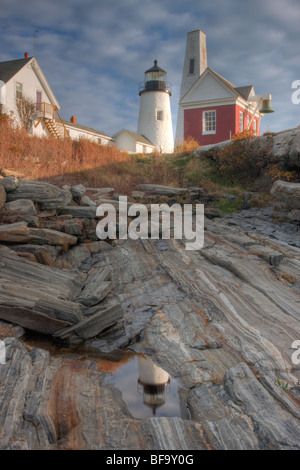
[(94, 52)]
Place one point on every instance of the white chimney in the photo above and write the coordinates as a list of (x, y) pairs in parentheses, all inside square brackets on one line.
[(195, 63)]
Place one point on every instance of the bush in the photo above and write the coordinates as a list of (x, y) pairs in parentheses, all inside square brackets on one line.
[(241, 160), (188, 145)]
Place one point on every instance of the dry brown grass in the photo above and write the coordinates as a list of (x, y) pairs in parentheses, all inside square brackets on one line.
[(72, 162)]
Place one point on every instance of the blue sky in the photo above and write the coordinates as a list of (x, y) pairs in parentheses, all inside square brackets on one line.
[(95, 52)]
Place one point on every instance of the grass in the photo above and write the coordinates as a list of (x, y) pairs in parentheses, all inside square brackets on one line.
[(72, 162)]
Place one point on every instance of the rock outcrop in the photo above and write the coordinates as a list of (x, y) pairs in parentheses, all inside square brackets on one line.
[(282, 147), (289, 193), (221, 320)]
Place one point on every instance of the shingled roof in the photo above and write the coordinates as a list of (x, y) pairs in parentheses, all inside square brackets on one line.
[(84, 128), (9, 68), (137, 137)]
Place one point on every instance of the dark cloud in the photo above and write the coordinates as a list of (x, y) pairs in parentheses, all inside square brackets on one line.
[(95, 52)]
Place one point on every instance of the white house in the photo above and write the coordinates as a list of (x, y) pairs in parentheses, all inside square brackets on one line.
[(132, 142), (26, 94), (77, 132)]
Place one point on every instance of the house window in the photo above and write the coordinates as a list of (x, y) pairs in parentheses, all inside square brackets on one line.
[(38, 99), (99, 141), (241, 125), (19, 91), (248, 121), (160, 115), (209, 122), (192, 67), (254, 126)]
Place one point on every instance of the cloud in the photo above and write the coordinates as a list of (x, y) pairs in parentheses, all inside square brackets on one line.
[(94, 53)]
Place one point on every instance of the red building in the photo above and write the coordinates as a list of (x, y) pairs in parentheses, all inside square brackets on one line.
[(215, 110)]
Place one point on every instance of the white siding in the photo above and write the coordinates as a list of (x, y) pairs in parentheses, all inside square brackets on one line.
[(206, 89), (125, 142), (159, 132), (77, 134), (30, 84)]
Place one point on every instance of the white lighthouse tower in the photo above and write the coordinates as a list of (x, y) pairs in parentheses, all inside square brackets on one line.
[(195, 63), (155, 120)]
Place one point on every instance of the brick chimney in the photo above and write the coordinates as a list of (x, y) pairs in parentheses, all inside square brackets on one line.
[(26, 55), (73, 119)]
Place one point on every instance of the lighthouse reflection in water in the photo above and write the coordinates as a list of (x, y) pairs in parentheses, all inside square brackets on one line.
[(154, 382), (148, 390)]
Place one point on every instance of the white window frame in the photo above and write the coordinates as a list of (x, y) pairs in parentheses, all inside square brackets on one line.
[(254, 126), (17, 91), (205, 116), (248, 120), (241, 121)]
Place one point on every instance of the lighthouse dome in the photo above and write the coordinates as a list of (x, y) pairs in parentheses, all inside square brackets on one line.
[(155, 80)]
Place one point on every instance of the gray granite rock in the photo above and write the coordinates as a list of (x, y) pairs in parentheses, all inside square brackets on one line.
[(2, 197), (48, 195), (287, 192), (78, 190), (10, 183), (20, 206)]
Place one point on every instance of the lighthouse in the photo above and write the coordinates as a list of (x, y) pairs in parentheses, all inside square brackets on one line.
[(155, 120), (154, 381)]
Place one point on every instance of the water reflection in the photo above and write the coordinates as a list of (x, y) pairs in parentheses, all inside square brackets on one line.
[(148, 390), (154, 382)]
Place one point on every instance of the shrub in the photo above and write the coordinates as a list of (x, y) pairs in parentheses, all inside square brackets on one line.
[(188, 145), (240, 159)]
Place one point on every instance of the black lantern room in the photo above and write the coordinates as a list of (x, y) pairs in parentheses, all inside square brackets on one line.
[(155, 80)]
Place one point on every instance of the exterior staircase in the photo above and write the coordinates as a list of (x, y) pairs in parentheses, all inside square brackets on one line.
[(53, 128), (48, 113)]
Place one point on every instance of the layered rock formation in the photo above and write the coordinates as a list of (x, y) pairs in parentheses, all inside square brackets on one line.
[(221, 320)]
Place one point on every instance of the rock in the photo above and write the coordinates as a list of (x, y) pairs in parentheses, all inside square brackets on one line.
[(53, 237), (5, 172), (287, 192), (212, 212), (18, 233), (2, 197), (212, 147), (27, 303), (78, 190), (20, 206), (10, 183), (96, 287), (31, 320), (281, 144), (74, 227), (272, 257), (161, 190), (99, 191), (89, 299), (91, 326), (81, 212), (48, 195), (60, 284), (137, 194), (40, 253), (86, 201), (294, 215)]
